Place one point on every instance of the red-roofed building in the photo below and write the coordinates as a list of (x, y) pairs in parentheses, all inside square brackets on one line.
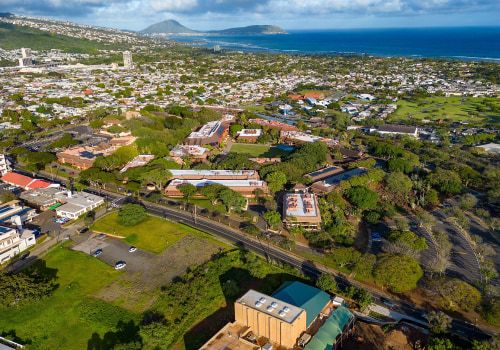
[(318, 96), (88, 92), (16, 179), (296, 97), (26, 182)]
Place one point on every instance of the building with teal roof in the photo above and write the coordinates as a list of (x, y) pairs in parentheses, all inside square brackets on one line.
[(309, 298), (332, 331)]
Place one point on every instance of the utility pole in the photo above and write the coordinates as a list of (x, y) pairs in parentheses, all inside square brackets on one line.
[(195, 214)]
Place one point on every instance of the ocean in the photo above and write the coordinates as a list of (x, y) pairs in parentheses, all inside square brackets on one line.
[(462, 43)]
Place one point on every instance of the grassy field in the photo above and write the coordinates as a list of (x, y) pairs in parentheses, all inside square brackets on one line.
[(69, 317), (258, 150), (153, 234), (255, 109), (205, 203), (446, 108)]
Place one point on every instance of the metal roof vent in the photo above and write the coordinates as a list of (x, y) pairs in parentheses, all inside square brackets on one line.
[(262, 300), (286, 309), (281, 313), (270, 308), (258, 303), (274, 304)]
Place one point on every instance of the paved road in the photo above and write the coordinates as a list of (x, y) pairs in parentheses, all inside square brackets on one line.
[(464, 264), (488, 238), (275, 253)]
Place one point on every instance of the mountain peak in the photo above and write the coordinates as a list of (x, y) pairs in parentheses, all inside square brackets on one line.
[(169, 26)]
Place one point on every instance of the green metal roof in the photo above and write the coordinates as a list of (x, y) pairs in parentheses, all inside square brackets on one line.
[(325, 338), (311, 299)]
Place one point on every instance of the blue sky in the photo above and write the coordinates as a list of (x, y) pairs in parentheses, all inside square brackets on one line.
[(291, 14)]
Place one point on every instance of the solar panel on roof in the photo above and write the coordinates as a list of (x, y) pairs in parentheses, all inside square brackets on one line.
[(220, 131), (4, 209), (4, 229)]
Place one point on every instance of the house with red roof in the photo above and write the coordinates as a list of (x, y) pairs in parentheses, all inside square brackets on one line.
[(26, 182)]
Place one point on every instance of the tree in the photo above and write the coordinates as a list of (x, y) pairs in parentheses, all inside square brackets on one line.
[(400, 164), (362, 197), (467, 201), (252, 230), (234, 128), (326, 282), (402, 224), (456, 293), (21, 288), (438, 321), (125, 154), (273, 218), (231, 199), (363, 297), (7, 196), (415, 242), (188, 190), (210, 192), (276, 180), (467, 174), (431, 197), (398, 272), (158, 177), (447, 181), (425, 217), (399, 184), (131, 214)]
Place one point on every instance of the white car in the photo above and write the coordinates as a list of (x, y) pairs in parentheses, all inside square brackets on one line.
[(132, 249), (120, 265)]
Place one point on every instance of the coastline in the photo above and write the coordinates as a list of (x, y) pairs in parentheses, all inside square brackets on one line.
[(459, 43)]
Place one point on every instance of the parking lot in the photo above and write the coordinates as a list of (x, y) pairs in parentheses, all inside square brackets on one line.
[(113, 250)]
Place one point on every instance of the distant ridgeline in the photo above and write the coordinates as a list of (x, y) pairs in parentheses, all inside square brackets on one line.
[(171, 26)]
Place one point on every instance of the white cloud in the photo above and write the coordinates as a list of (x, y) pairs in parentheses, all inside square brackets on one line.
[(172, 5)]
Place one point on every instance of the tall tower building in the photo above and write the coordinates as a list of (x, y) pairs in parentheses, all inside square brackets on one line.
[(25, 61), (127, 60), (26, 52)]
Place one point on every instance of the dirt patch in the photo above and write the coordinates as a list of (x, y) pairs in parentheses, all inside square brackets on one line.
[(137, 291), (372, 337)]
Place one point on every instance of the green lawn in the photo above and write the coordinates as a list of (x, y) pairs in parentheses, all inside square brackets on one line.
[(255, 109), (258, 150), (205, 203), (153, 234), (70, 316), (435, 108)]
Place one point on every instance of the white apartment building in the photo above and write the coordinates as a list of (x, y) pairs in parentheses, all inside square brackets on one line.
[(13, 242), (127, 60), (4, 165)]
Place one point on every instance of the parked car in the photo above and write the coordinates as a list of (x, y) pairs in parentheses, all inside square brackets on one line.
[(83, 230), (387, 303), (120, 265), (375, 237), (97, 253), (72, 173), (132, 249), (446, 204), (101, 236), (25, 255)]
